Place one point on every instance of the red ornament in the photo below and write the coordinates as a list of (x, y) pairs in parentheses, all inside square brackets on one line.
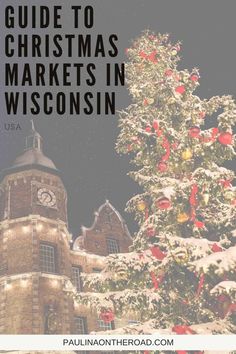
[(163, 203), (162, 166), (152, 57), (199, 224), (148, 129), (225, 138), (168, 72), (215, 248), (194, 77), (183, 329), (155, 125), (107, 316), (143, 55), (157, 253), (214, 132), (194, 132), (150, 232), (180, 89)]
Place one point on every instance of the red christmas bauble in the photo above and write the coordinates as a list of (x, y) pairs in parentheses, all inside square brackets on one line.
[(162, 166), (155, 125), (194, 77), (168, 72), (143, 55), (180, 89), (152, 57), (199, 224), (216, 248), (194, 132), (107, 316), (225, 138), (148, 129), (163, 203)]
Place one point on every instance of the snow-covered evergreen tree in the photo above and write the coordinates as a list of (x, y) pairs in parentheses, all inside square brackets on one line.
[(180, 274)]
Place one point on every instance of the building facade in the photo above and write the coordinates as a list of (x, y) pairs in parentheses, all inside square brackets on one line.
[(38, 255)]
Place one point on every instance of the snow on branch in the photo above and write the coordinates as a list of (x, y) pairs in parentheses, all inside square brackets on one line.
[(220, 262)]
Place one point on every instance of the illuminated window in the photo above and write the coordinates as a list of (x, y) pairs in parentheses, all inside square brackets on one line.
[(80, 325), (76, 278), (106, 326), (112, 246), (47, 258)]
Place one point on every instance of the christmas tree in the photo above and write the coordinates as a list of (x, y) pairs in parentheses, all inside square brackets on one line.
[(180, 274)]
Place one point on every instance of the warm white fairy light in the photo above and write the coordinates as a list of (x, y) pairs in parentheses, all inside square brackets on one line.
[(8, 285), (39, 227), (26, 229)]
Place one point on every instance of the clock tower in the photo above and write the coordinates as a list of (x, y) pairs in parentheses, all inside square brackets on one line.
[(34, 245), (32, 185)]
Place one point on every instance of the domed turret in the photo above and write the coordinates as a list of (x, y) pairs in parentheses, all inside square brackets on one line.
[(33, 155)]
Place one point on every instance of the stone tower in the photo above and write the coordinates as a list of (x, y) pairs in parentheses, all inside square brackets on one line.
[(37, 255)]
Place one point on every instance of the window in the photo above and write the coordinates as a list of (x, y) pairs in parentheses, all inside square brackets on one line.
[(80, 325), (106, 326), (47, 258), (133, 322), (76, 278), (112, 246), (96, 270)]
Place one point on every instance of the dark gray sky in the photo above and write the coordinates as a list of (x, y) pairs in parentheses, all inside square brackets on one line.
[(83, 147)]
